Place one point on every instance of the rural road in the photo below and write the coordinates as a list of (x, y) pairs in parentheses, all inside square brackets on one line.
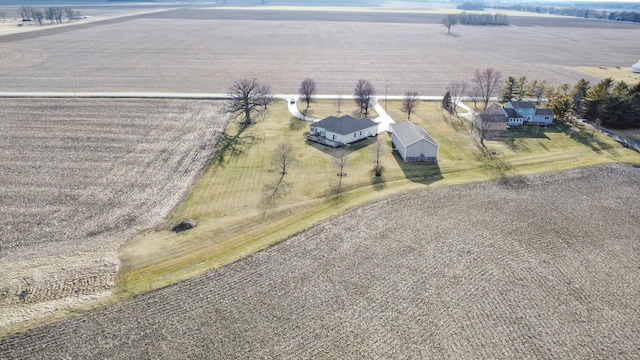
[(383, 119)]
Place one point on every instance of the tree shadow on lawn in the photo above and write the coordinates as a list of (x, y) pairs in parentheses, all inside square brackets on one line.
[(457, 122), (492, 162), (420, 172), (296, 124), (514, 136), (231, 146), (532, 132), (586, 137), (378, 182)]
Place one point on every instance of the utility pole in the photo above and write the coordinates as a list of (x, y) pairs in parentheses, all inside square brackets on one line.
[(386, 85)]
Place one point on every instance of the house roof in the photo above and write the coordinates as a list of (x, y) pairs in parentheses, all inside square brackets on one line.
[(409, 133), (493, 117), (523, 104), (492, 109), (512, 114), (544, 112), (344, 125)]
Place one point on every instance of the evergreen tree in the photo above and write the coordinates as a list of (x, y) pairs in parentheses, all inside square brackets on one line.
[(446, 102), (508, 89)]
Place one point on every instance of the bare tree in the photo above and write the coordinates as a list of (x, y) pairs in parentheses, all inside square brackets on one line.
[(363, 95), (249, 98), (71, 14), (377, 164), (38, 15), (264, 96), (538, 89), (336, 188), (456, 89), (475, 96), (58, 15), (486, 82), (595, 125), (448, 21), (50, 14), (307, 90), (409, 103), (483, 123), (26, 12), (283, 158), (338, 102)]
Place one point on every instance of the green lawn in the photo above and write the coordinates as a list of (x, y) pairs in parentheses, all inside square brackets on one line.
[(226, 200)]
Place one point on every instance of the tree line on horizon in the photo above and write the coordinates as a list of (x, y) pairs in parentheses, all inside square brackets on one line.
[(54, 14), (581, 12)]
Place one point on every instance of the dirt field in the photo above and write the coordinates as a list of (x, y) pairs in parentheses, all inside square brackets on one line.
[(530, 267), (79, 178), (205, 50)]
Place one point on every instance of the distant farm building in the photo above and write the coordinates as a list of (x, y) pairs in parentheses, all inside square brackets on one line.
[(635, 67), (413, 143), (338, 131)]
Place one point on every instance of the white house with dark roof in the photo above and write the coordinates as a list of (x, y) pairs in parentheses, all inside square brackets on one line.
[(413, 143), (338, 131), (527, 111)]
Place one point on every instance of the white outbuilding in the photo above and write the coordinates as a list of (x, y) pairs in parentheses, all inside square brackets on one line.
[(635, 67), (413, 143)]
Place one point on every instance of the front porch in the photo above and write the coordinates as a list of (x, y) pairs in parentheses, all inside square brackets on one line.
[(324, 141)]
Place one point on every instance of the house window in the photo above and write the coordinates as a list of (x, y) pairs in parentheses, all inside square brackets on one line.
[(360, 132), (546, 118), (334, 136), (354, 134), (530, 110)]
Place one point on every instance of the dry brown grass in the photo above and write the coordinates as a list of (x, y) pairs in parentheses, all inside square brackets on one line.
[(529, 267), (79, 178), (621, 73)]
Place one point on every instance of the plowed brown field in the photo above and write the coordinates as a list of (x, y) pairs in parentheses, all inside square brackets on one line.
[(79, 177), (542, 267), (205, 50)]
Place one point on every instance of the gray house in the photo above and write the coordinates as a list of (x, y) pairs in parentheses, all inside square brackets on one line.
[(413, 143), (337, 131)]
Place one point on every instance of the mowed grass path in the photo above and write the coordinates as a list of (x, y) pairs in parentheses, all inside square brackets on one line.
[(225, 202), (542, 267)]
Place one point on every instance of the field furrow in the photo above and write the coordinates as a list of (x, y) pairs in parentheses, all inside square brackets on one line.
[(80, 177), (442, 273)]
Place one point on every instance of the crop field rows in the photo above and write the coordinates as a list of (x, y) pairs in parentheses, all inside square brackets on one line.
[(80, 177), (200, 50), (528, 267)]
